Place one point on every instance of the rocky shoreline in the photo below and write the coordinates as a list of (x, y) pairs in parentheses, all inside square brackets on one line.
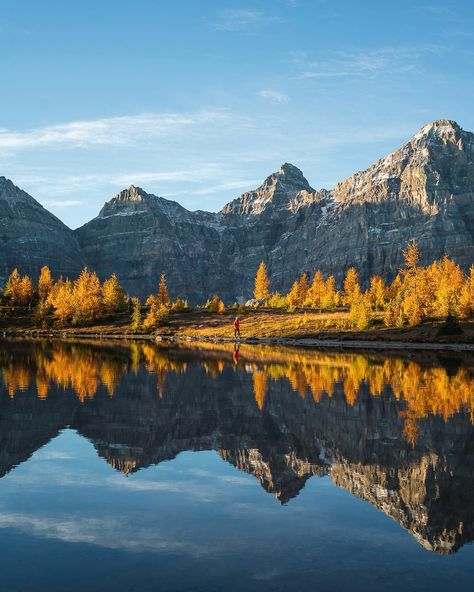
[(304, 342)]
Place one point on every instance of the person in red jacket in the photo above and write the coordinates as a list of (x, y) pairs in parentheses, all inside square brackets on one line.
[(237, 328)]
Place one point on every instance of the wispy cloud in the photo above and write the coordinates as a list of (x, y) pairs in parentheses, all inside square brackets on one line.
[(108, 532), (238, 19), (228, 185), (273, 95), (62, 203), (112, 131), (363, 63), (59, 184)]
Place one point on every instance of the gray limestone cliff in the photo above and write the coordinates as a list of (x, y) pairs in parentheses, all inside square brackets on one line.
[(31, 237)]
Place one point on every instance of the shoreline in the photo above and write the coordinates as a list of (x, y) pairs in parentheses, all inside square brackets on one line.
[(297, 342)]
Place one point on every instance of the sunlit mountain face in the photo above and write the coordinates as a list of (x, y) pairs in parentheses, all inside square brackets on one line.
[(394, 431)]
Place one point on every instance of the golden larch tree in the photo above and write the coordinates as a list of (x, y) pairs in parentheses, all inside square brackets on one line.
[(27, 291), (411, 256), (316, 291), (13, 287), (303, 289), (351, 286), (87, 297), (262, 283), (45, 283), (113, 295), (163, 296)]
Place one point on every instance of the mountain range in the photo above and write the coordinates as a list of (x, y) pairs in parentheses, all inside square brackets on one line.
[(422, 191)]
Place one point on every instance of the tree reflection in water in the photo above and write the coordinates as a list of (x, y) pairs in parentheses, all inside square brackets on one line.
[(396, 431)]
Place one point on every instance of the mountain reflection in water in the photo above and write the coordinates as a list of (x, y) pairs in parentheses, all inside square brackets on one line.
[(397, 432)]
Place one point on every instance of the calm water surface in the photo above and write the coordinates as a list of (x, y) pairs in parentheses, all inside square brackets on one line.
[(136, 467)]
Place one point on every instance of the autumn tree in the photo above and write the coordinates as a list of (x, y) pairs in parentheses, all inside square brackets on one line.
[(62, 300), (303, 288), (293, 295), (377, 292), (45, 283), (331, 295), (351, 286), (299, 291), (262, 283), (447, 284), (13, 286), (27, 291), (163, 296), (157, 312), (359, 313), (87, 297), (20, 290), (215, 304), (113, 295), (317, 290), (136, 315), (466, 297), (411, 256)]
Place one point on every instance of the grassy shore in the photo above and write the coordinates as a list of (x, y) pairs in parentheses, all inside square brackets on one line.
[(256, 325)]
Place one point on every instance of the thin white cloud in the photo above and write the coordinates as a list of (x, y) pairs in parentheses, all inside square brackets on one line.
[(274, 95), (228, 185), (111, 131), (62, 203), (238, 19), (108, 532), (364, 63)]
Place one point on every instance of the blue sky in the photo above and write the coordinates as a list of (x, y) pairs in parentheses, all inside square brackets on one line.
[(199, 100)]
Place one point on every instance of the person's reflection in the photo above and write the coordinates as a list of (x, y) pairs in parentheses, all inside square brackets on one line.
[(236, 353)]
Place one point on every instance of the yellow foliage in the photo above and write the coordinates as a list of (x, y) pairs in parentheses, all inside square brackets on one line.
[(45, 283), (113, 295), (351, 286), (163, 296), (262, 283)]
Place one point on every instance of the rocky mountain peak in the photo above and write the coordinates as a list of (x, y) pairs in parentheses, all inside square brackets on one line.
[(126, 201), (440, 129), (11, 193), (283, 190), (133, 193), (290, 176)]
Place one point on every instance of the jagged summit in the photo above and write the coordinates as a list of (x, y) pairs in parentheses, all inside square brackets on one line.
[(440, 128), (11, 193), (133, 193), (135, 200), (284, 189), (289, 175)]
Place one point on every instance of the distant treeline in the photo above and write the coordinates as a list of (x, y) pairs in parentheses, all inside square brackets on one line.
[(441, 289)]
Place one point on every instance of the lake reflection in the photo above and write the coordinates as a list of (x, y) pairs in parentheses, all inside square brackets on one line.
[(394, 431)]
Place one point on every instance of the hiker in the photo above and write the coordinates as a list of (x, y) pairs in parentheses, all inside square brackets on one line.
[(237, 328)]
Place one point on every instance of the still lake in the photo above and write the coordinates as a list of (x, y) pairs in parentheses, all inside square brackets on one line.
[(133, 466)]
